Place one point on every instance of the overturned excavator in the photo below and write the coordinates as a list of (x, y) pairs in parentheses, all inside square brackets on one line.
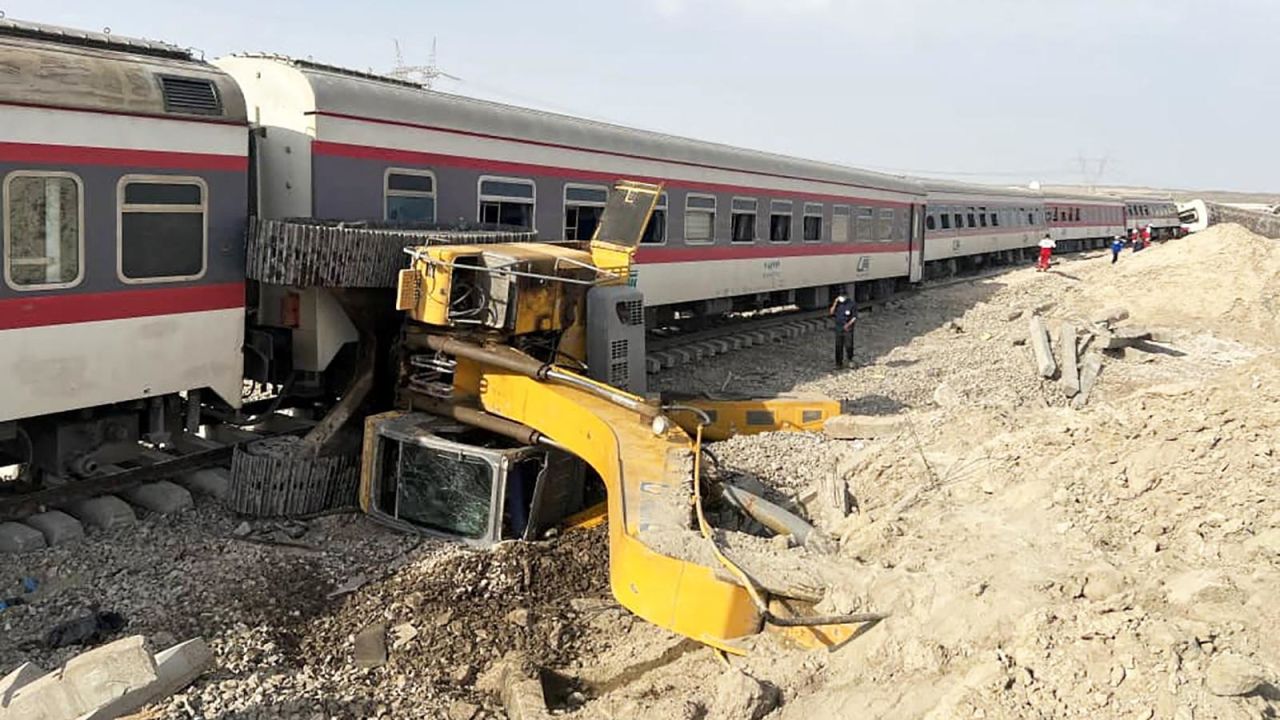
[(519, 406)]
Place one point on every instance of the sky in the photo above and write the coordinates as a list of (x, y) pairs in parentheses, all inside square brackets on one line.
[(1161, 93)]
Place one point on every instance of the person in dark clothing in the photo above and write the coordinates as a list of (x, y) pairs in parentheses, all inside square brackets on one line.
[(1117, 246), (845, 312)]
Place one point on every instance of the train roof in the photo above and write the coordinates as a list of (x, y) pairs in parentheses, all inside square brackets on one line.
[(974, 189), (365, 95), (48, 65), (1081, 197)]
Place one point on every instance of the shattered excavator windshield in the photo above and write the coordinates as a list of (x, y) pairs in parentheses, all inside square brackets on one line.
[(439, 491), (626, 213)]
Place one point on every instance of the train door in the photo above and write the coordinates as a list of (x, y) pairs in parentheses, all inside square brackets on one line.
[(915, 245)]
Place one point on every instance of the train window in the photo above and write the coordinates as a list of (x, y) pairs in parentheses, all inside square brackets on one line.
[(45, 239), (162, 228), (655, 233), (744, 220), (507, 201), (982, 217), (840, 223), (884, 229), (930, 223), (812, 222), (864, 225), (958, 218), (780, 221), (973, 218), (946, 220), (583, 205), (699, 219), (995, 220), (409, 196)]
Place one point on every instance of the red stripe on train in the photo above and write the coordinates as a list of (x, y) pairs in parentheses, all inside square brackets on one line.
[(115, 157), (414, 157), (581, 148), (702, 253), (68, 308)]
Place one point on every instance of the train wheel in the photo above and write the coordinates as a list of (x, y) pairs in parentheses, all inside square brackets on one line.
[(18, 473)]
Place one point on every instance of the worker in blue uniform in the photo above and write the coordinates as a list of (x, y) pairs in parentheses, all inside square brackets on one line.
[(845, 312)]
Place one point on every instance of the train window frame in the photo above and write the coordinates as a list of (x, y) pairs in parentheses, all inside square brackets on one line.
[(779, 209), (886, 217), (482, 198), (735, 211), (388, 193), (712, 210), (930, 223), (812, 211), (660, 207), (575, 204), (864, 219), (846, 212), (123, 207), (7, 234)]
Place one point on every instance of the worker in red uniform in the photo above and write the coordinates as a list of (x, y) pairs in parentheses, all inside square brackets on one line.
[(1047, 244)]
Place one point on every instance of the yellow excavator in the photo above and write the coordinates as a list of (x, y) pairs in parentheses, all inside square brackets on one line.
[(522, 380)]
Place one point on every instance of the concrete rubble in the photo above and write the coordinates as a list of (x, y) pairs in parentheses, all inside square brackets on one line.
[(103, 683)]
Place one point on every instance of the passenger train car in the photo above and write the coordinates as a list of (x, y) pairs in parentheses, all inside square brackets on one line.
[(1078, 222), (124, 181), (129, 171), (1160, 213), (735, 228), (968, 222)]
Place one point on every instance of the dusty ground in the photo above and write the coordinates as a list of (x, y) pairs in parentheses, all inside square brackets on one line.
[(1118, 560)]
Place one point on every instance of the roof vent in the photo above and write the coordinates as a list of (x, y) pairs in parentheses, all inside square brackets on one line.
[(194, 96)]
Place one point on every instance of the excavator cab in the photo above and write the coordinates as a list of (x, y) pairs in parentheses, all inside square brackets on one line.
[(437, 477)]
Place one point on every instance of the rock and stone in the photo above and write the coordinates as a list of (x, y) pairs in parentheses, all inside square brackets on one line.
[(1231, 675), (87, 682), (164, 497), (176, 668), (209, 482), (461, 710), (1126, 337), (1089, 371), (104, 513), (862, 427), (57, 527), (371, 646), (1038, 336), (1068, 348), (16, 538), (1111, 316), (738, 696), (24, 674)]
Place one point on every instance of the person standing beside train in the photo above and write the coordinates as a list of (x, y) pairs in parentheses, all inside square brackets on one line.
[(845, 312), (1047, 244), (1117, 247)]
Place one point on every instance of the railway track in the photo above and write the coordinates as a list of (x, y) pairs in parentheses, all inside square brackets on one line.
[(667, 351), (59, 511)]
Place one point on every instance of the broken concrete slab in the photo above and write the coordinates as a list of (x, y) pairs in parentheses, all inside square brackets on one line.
[(1089, 371), (87, 682), (57, 527), (104, 513), (209, 482), (1126, 337), (23, 675), (1067, 348), (164, 497), (862, 427), (176, 668), (1111, 316), (371, 646), (16, 538), (1038, 336)]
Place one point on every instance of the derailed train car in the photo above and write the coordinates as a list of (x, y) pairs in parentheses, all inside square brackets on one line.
[(124, 169)]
